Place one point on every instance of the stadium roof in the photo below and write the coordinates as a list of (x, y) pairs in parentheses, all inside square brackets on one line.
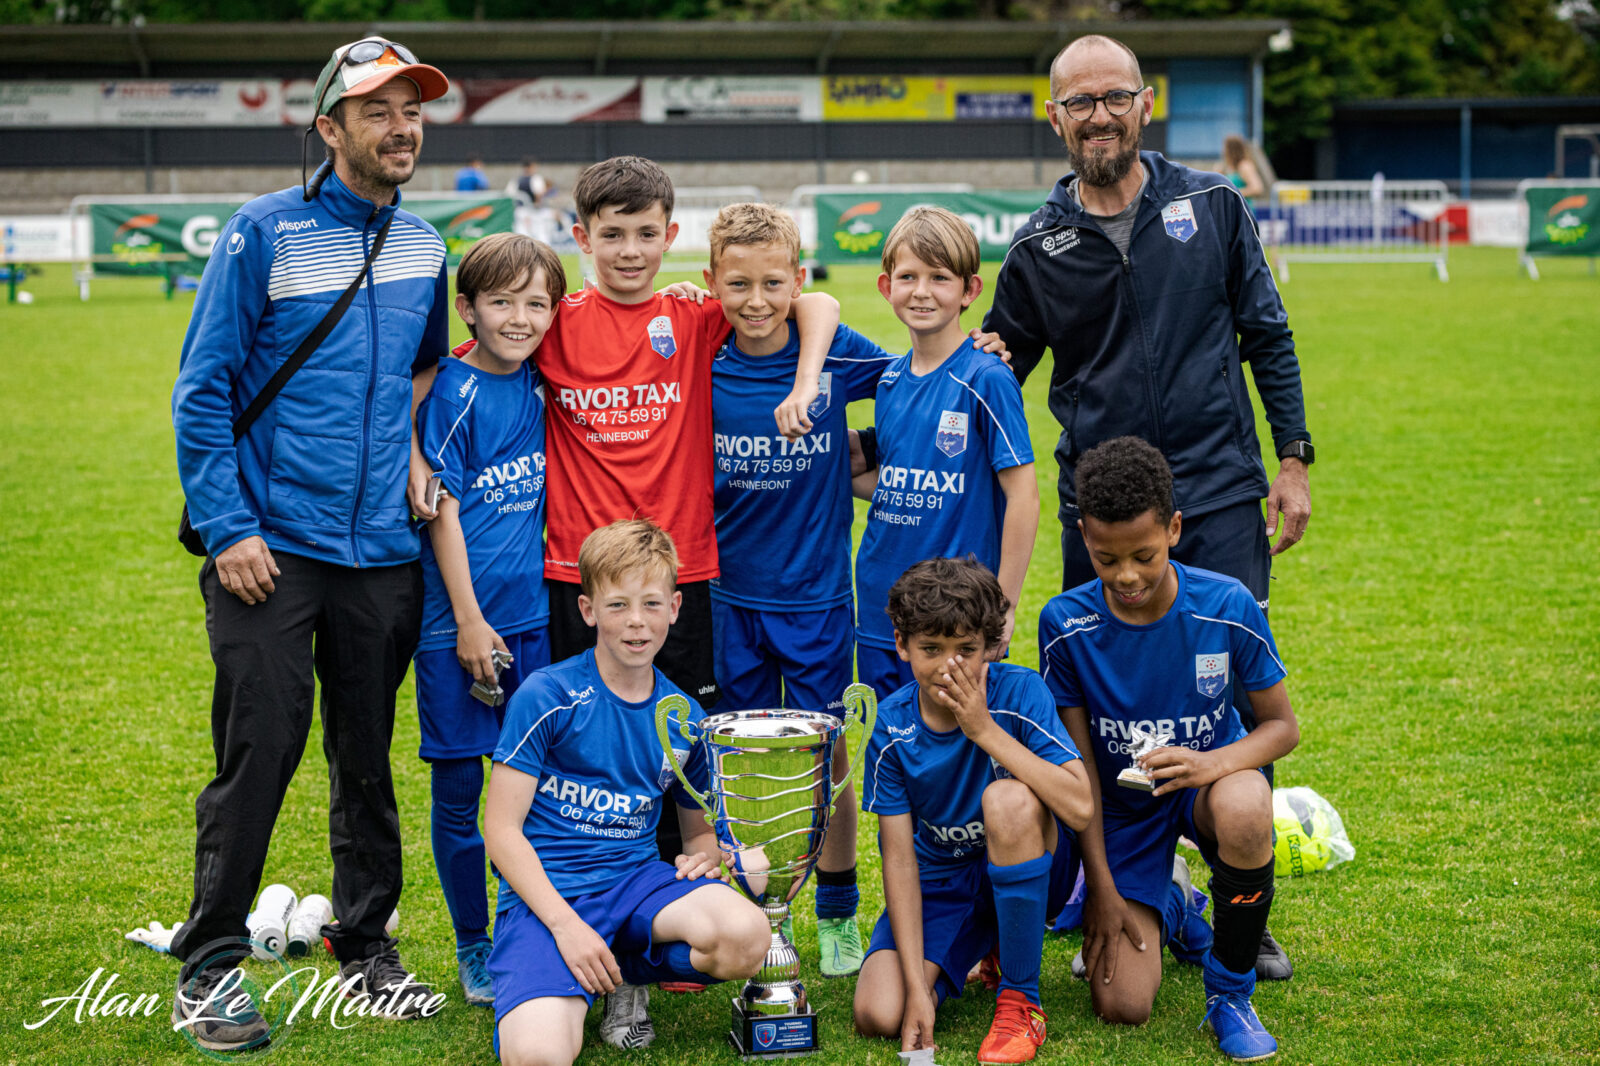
[(613, 47)]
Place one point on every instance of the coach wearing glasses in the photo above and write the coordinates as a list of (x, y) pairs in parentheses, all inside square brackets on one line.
[(1148, 283), (311, 573)]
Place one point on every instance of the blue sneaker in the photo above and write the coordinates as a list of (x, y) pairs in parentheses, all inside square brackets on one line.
[(476, 984), (1240, 1034), (1192, 937)]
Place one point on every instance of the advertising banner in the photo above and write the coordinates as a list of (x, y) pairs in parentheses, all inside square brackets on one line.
[(853, 228), (134, 238), (731, 99), (130, 238), (142, 103), (1563, 220), (898, 98), (36, 239)]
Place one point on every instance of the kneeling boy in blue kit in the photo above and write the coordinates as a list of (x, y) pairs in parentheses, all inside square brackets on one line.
[(481, 429), (574, 797), (1152, 647), (978, 793)]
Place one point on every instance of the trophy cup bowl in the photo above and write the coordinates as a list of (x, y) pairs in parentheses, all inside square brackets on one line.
[(770, 799)]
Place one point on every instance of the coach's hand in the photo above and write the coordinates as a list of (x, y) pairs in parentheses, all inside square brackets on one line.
[(587, 956), (1106, 919), (991, 343), (1289, 502), (247, 570)]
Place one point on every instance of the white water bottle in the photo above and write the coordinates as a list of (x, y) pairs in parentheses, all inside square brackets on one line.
[(393, 923), (269, 924), (305, 925)]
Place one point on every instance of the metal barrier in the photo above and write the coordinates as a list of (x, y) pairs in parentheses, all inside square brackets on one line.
[(1374, 221)]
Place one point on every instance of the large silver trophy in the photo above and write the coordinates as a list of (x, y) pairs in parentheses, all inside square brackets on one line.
[(770, 798)]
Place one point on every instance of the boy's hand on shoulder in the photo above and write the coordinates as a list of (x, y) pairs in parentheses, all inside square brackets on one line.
[(586, 955), (700, 864), (964, 692), (991, 343), (686, 290), (791, 415), (1177, 767), (1106, 917), (476, 643)]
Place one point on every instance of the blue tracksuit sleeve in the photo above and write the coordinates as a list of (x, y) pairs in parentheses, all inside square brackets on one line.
[(436, 336), (222, 331), (1265, 340), (1015, 313)]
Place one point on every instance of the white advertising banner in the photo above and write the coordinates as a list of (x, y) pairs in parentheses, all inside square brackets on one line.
[(142, 103), (49, 103), (732, 99), (41, 239)]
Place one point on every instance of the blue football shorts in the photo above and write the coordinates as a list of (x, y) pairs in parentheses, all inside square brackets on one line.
[(767, 658), (454, 724)]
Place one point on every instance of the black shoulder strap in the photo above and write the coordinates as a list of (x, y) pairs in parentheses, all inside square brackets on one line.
[(281, 377)]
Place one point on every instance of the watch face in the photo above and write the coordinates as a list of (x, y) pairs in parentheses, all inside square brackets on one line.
[(1301, 450)]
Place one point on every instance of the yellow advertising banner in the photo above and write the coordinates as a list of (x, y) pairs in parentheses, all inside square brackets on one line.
[(898, 98)]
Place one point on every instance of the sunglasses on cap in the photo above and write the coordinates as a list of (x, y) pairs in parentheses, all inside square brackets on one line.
[(367, 51)]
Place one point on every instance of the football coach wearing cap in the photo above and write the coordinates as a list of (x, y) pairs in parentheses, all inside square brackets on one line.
[(311, 568)]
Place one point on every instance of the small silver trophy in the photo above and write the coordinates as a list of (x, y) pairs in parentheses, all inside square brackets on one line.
[(770, 798), (1141, 743)]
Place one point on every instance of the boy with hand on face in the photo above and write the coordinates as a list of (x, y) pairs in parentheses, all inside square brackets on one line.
[(576, 789), (481, 429), (979, 793), (955, 465), (1151, 647)]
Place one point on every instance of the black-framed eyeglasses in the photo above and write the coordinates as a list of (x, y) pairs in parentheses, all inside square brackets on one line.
[(366, 51), (1118, 102)]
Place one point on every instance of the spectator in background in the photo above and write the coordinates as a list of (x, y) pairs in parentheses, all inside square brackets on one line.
[(1239, 167), (534, 216), (530, 187), (472, 177)]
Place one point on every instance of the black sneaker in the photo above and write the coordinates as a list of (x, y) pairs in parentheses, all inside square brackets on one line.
[(395, 991), (1272, 962), (218, 1016)]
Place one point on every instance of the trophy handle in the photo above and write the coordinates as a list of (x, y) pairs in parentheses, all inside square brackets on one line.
[(677, 704), (861, 704)]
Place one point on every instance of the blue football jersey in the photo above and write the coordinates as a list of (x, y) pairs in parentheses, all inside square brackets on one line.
[(942, 437), (484, 435), (1174, 675), (939, 778), (602, 774), (783, 507)]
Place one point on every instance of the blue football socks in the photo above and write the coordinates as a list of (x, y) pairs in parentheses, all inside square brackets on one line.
[(1020, 893), (458, 847), (837, 894), (664, 962)]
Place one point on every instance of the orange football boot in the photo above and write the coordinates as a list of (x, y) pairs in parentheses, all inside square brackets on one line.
[(1017, 1032)]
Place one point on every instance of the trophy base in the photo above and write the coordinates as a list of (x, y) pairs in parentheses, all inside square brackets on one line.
[(1130, 777), (772, 1036)]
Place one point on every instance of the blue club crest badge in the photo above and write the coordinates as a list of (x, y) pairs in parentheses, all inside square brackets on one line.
[(951, 436), (1211, 674), (824, 399), (662, 342), (766, 1033), (1178, 218)]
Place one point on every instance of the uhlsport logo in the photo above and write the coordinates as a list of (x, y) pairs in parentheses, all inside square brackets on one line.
[(951, 436), (1563, 223), (819, 406), (1211, 673), (856, 232), (662, 342)]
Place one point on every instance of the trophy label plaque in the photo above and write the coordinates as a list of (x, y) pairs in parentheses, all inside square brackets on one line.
[(755, 1037)]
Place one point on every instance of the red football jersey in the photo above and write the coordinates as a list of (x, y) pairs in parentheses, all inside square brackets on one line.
[(628, 424)]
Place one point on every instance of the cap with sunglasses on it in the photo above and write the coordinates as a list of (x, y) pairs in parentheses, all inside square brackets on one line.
[(362, 66)]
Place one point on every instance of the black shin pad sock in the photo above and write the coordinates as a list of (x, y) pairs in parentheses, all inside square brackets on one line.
[(1240, 901)]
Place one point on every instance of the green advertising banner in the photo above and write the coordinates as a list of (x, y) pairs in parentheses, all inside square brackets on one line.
[(144, 238), (1563, 220), (151, 238), (852, 229)]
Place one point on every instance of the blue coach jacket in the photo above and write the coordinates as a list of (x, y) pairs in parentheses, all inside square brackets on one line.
[(322, 472), (1151, 344)]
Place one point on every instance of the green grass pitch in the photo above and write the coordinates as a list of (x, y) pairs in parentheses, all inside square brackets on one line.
[(1439, 622)]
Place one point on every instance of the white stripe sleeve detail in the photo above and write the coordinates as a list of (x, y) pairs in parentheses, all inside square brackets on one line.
[(1264, 641), (535, 725), (1015, 459), (1054, 740), (875, 765), (439, 455)]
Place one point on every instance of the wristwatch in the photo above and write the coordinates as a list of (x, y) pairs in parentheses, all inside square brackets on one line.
[(1298, 449)]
